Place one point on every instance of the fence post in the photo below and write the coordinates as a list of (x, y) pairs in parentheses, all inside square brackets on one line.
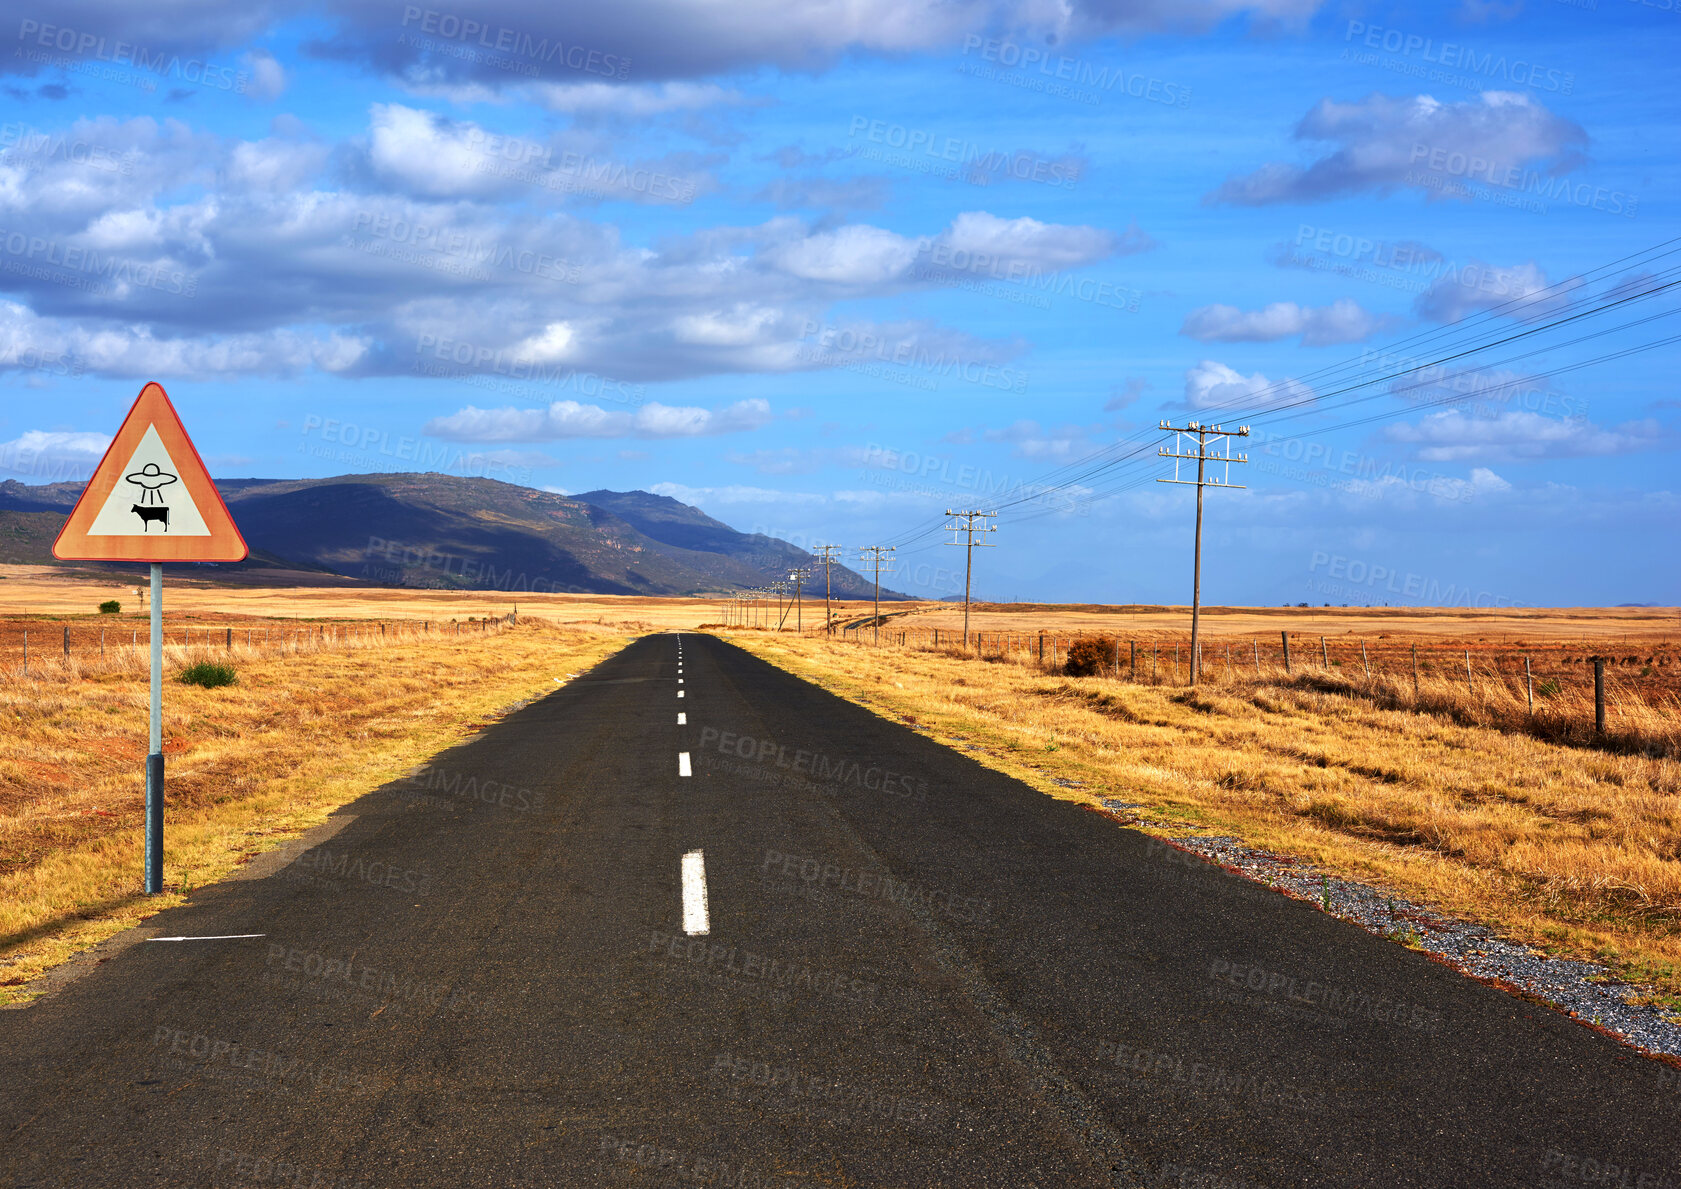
[(1324, 654), (1286, 636), (228, 644), (1135, 662), (1599, 696), (67, 641), (1257, 645), (1155, 665), (1468, 688), (1529, 682), (101, 643), (1176, 662), (1363, 659), (1415, 672)]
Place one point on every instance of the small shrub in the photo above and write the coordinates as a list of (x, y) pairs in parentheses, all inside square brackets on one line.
[(110, 607), (1086, 657), (208, 674)]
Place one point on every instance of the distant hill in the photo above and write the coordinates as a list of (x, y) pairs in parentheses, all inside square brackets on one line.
[(451, 532)]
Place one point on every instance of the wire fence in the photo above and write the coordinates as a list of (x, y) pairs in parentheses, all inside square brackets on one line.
[(43, 649), (1627, 696)]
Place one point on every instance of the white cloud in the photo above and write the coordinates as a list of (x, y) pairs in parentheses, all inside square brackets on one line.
[(1031, 442), (550, 345), (1213, 385), (428, 155), (570, 419), (1520, 288), (266, 78), (51, 455), (1383, 142), (853, 255), (1343, 321), (135, 351), (591, 98), (1047, 246), (734, 494), (1454, 436)]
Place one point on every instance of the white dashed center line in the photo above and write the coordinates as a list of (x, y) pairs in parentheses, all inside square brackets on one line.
[(682, 719), (679, 693), (694, 894), (683, 764)]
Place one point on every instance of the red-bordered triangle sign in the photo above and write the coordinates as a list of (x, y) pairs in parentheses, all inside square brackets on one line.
[(151, 498)]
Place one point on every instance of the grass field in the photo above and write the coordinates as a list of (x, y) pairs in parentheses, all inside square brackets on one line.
[(1570, 848), (303, 731), (1456, 796)]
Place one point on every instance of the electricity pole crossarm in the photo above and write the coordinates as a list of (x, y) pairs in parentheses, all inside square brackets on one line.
[(1202, 433), (968, 528)]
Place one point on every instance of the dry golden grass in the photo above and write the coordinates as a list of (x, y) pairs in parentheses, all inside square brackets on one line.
[(44, 590), (249, 765), (1573, 849)]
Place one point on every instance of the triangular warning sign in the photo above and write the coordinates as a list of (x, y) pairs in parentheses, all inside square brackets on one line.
[(150, 498)]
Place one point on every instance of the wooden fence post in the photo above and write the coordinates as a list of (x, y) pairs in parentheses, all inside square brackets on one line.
[(1599, 696), (1363, 659), (1468, 688), (1286, 636), (1415, 672), (1135, 662), (1529, 683), (1257, 645), (67, 641), (1324, 654)]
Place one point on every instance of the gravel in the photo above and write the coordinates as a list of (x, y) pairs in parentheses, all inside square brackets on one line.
[(1585, 991)]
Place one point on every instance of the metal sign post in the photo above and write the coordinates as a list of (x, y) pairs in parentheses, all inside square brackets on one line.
[(151, 500), (154, 751)]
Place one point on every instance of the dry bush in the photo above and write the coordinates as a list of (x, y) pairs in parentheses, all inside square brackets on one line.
[(1089, 656)]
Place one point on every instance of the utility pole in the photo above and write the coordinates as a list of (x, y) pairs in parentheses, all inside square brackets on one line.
[(826, 555), (969, 529), (779, 586), (874, 553), (1202, 456), (798, 577)]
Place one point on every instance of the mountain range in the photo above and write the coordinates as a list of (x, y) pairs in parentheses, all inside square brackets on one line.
[(451, 532)]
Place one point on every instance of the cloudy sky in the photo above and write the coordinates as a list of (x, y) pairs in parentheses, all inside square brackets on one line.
[(826, 270)]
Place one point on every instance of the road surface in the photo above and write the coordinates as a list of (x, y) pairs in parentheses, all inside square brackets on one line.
[(689, 920)]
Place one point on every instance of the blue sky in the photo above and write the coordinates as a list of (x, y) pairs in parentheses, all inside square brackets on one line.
[(828, 272)]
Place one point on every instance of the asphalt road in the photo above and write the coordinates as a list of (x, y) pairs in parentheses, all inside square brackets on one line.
[(914, 971)]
